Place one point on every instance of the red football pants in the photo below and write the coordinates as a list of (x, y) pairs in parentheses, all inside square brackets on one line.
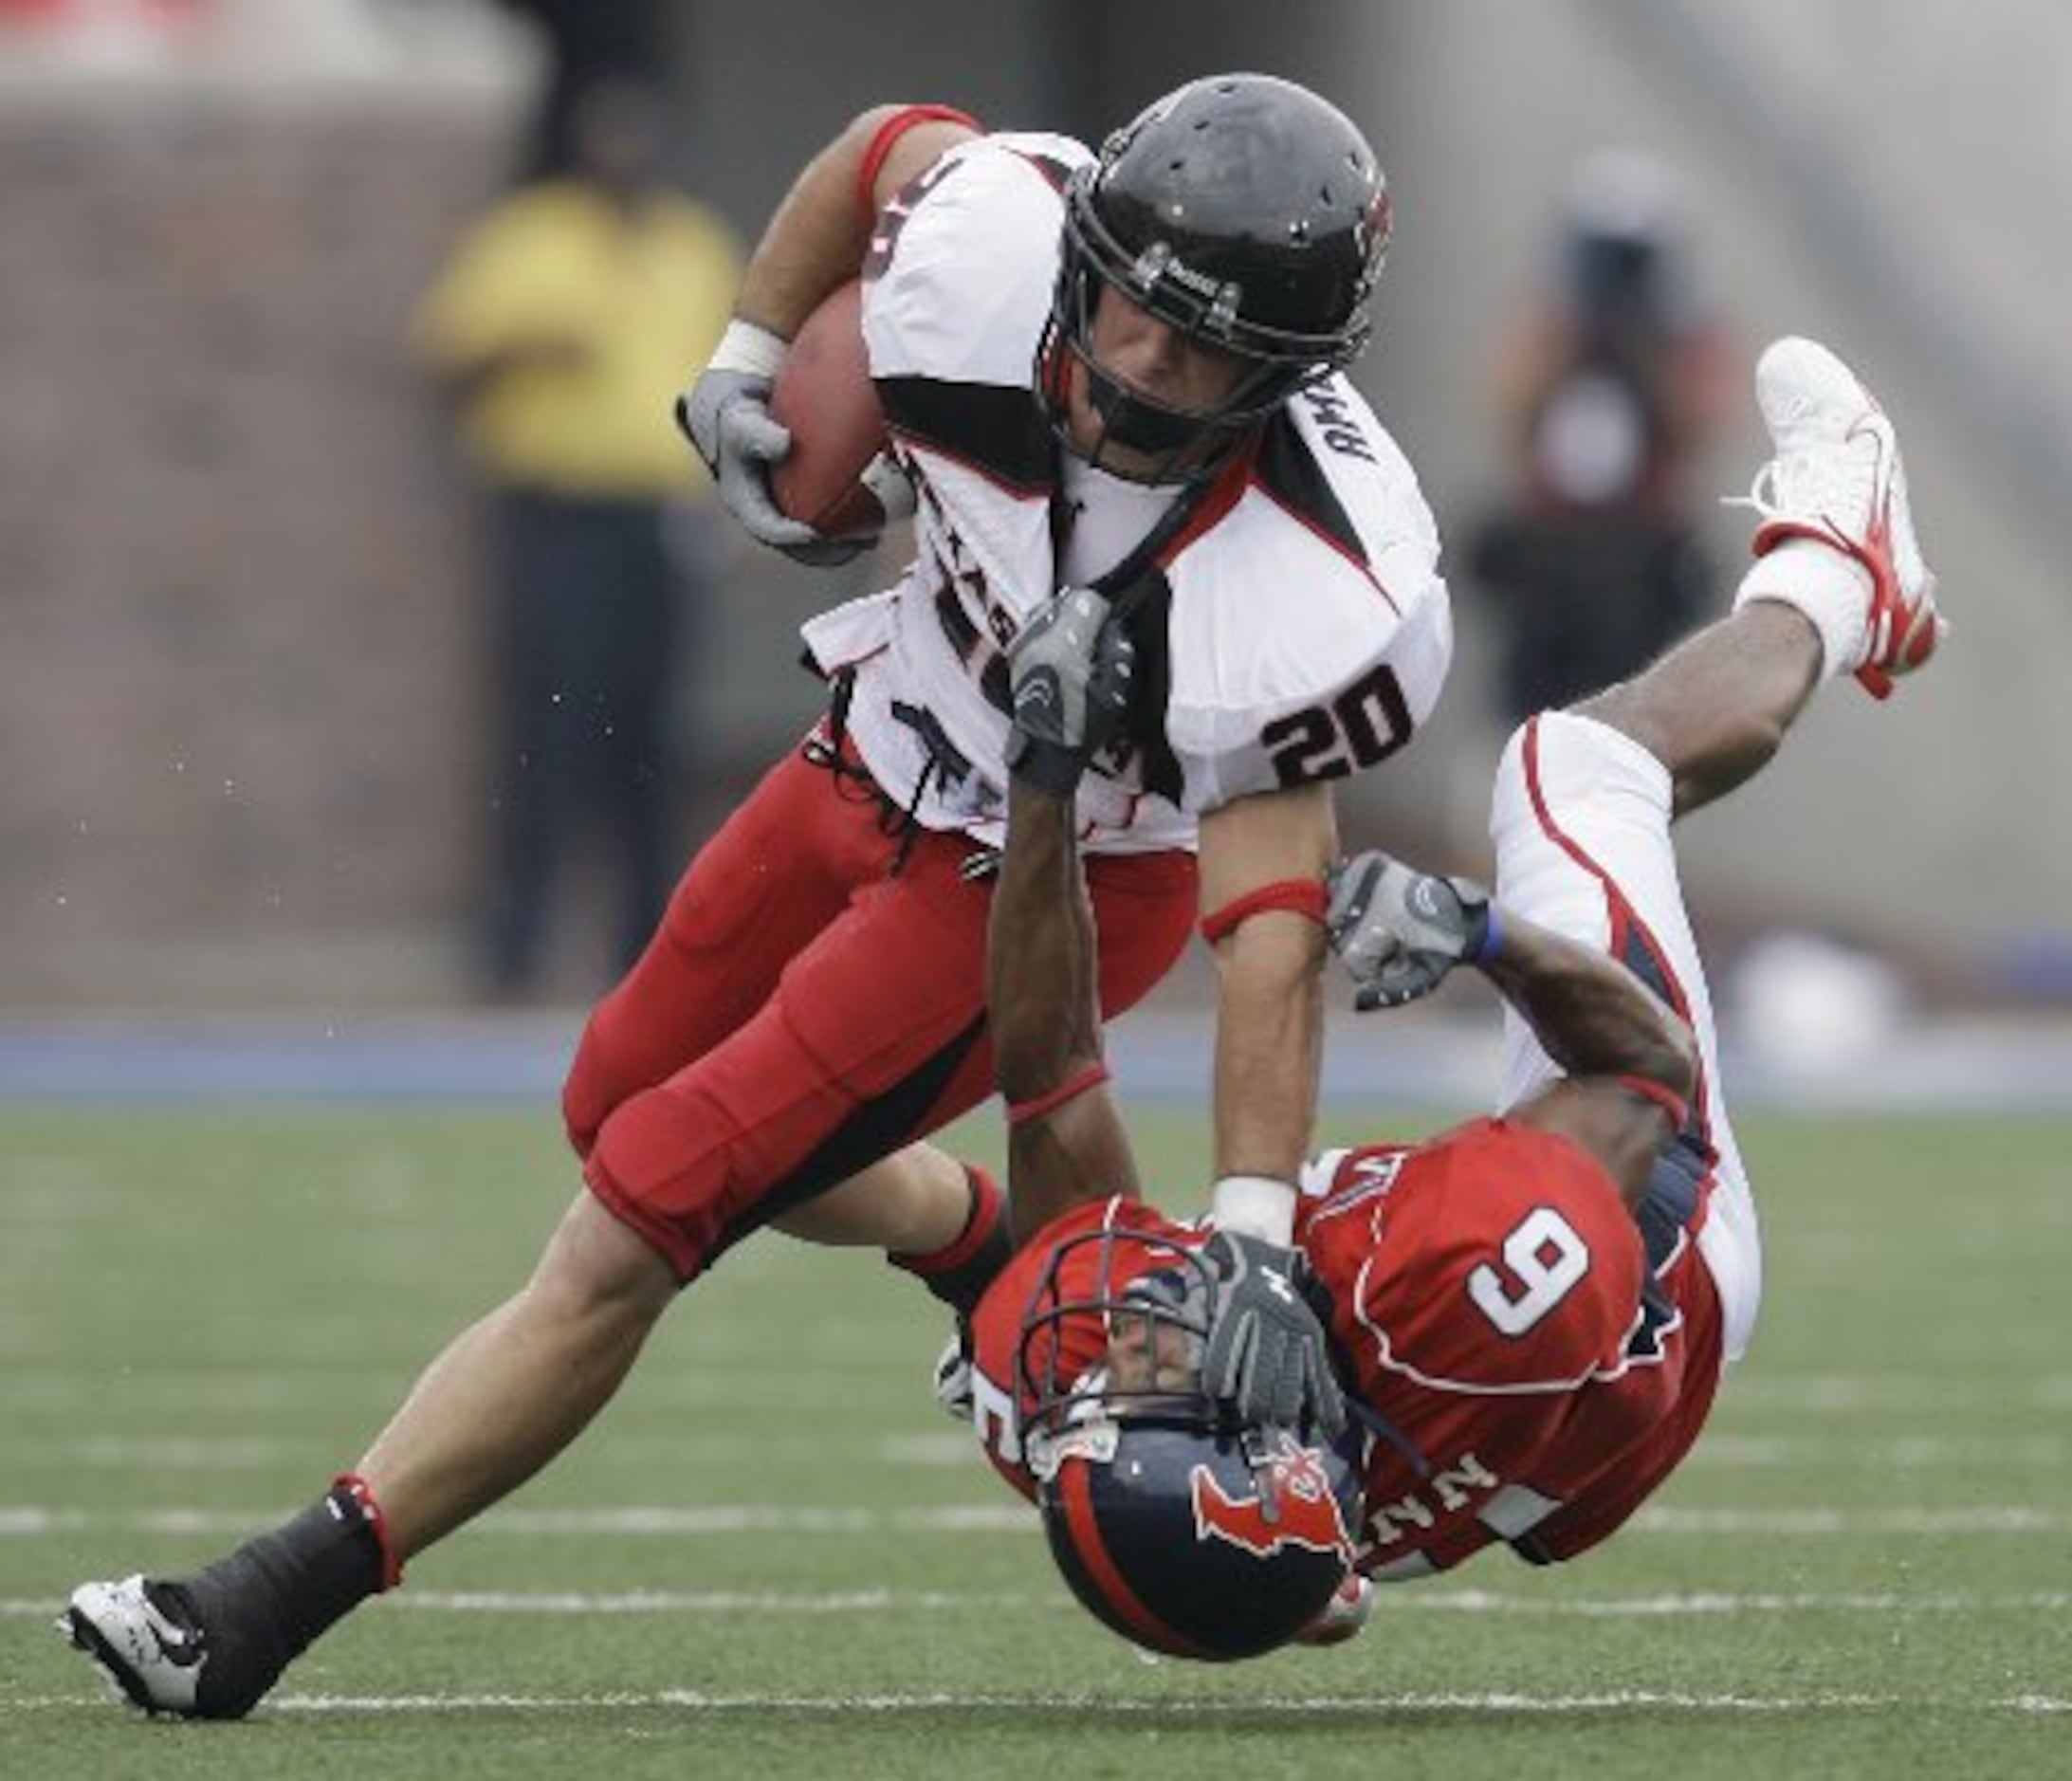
[(805, 1009)]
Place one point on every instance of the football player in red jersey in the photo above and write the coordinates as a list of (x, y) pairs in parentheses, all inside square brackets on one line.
[(1530, 1314), (1124, 370)]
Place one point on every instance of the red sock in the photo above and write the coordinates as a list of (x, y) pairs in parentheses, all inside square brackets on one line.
[(958, 1273)]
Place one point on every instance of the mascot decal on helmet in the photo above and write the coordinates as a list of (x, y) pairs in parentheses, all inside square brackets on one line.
[(1293, 1505)]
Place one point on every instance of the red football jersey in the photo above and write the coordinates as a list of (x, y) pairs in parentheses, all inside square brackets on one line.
[(1482, 1284), (1485, 1286)]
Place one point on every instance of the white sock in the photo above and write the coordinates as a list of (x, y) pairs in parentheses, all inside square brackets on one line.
[(1831, 589)]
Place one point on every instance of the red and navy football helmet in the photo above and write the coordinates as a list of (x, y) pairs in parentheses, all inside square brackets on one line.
[(1180, 1532), (1244, 211)]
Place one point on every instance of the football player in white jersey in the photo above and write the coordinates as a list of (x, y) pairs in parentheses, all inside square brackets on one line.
[(1123, 371)]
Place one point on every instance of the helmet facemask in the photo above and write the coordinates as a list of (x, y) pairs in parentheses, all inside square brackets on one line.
[(1248, 215), (1179, 1529), (1181, 441), (1152, 1300)]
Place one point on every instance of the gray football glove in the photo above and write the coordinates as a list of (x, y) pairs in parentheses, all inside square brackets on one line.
[(725, 415), (1071, 670), (1400, 932), (1267, 1361)]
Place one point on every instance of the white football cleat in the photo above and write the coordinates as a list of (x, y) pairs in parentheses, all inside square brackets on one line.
[(953, 1380), (1838, 478), (151, 1655)]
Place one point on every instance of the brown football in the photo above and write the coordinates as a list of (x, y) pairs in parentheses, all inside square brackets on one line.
[(824, 394)]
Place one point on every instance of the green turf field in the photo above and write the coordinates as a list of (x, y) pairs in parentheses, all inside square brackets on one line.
[(772, 1558)]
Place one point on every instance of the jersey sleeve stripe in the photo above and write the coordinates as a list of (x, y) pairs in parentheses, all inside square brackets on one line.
[(889, 133), (1054, 171), (1286, 469), (995, 430)]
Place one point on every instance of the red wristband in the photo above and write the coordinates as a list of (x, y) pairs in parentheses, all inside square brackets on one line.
[(1298, 896), (888, 132), (1668, 1100), (1021, 1112)]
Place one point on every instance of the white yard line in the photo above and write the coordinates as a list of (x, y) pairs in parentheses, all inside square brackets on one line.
[(1424, 1598), (36, 1521), (1086, 1706)]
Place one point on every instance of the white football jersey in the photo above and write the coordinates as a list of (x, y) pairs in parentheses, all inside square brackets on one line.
[(1297, 627)]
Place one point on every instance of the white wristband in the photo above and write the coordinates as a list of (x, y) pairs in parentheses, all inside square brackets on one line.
[(750, 347), (1256, 1205)]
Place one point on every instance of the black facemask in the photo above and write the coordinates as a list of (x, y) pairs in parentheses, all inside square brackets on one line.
[(1137, 422)]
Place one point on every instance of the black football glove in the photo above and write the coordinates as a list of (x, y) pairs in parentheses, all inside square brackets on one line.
[(1399, 932), (1071, 670), (1267, 1361)]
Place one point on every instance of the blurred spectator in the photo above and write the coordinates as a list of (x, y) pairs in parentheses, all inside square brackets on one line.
[(585, 42), (1610, 385), (564, 322)]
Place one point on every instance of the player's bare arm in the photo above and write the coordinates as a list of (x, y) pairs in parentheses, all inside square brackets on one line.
[(1632, 1061), (818, 236), (1041, 1002), (817, 242), (1270, 1006), (1071, 671)]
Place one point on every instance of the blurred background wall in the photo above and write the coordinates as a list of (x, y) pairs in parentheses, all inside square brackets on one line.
[(240, 675)]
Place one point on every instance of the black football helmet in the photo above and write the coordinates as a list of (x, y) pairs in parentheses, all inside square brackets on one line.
[(1180, 1532), (1242, 211)]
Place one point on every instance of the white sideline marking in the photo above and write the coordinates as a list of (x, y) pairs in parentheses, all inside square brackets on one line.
[(1296, 1707), (1394, 1602), (33, 1520)]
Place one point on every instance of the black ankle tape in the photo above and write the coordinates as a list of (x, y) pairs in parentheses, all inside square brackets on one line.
[(304, 1576)]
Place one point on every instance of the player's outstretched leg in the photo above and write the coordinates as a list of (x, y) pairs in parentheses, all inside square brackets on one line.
[(493, 1406), (1582, 815), (1837, 586), (209, 1645)]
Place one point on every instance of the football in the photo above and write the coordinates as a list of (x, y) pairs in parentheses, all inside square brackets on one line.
[(833, 477)]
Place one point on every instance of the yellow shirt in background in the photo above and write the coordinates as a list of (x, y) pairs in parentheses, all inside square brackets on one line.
[(642, 292)]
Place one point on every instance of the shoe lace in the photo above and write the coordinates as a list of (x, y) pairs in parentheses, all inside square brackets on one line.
[(1816, 484)]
